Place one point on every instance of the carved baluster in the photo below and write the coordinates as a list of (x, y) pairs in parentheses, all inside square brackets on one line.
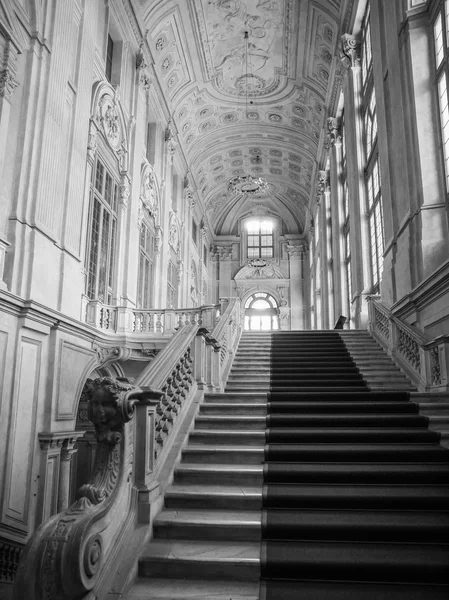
[(159, 327)]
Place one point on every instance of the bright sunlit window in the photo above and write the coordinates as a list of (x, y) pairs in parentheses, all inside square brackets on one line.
[(260, 239)]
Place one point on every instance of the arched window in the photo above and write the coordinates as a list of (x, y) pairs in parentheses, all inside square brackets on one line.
[(372, 167), (260, 239), (261, 312), (103, 232)]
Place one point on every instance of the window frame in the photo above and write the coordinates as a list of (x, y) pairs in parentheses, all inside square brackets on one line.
[(100, 278), (372, 174), (441, 11), (172, 285), (145, 281), (260, 241)]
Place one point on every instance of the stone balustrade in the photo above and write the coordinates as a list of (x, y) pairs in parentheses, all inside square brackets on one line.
[(426, 361), (119, 319)]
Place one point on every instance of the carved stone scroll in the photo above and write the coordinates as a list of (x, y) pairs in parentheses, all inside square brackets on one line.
[(66, 554)]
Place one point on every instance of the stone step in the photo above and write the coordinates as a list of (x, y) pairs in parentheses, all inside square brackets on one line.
[(243, 398), (213, 524), (233, 408), (237, 388), (432, 408), (207, 454), (242, 422), (192, 558), (220, 474), (209, 497), (223, 437), (192, 589)]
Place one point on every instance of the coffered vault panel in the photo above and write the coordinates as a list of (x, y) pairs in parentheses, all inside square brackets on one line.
[(266, 121)]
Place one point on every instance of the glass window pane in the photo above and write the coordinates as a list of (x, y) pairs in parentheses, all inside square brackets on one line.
[(438, 36), (93, 254), (444, 121), (99, 177), (260, 304)]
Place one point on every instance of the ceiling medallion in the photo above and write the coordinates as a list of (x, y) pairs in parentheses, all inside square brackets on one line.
[(246, 184)]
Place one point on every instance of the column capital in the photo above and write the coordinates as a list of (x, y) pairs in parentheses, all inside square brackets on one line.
[(349, 51), (297, 251), (59, 440)]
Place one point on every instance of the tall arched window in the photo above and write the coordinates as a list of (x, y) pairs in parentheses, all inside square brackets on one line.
[(260, 239), (261, 312), (372, 167), (102, 232), (441, 39)]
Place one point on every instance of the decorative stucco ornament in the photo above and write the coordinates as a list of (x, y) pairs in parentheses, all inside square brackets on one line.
[(248, 185)]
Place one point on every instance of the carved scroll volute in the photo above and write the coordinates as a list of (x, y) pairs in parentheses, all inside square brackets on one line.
[(64, 557)]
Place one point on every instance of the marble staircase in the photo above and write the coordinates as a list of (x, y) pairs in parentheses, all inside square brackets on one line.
[(378, 369), (380, 372), (206, 542)]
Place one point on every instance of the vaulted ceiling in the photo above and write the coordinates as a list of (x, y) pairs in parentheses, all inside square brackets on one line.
[(260, 110)]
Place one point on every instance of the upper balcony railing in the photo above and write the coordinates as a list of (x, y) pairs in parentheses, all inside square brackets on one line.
[(119, 319), (426, 361)]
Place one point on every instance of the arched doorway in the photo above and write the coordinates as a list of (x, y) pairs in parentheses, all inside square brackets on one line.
[(261, 312)]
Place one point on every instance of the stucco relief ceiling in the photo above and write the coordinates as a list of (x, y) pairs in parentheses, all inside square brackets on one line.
[(261, 113)]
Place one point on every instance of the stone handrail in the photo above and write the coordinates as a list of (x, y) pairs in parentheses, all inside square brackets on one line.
[(67, 555), (426, 361), (119, 319), (72, 554), (227, 333)]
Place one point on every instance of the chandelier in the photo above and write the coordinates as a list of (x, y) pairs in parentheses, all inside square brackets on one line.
[(247, 185)]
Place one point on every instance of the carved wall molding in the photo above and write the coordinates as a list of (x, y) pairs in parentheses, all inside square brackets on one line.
[(108, 118), (10, 554), (8, 70), (259, 269), (174, 233), (149, 190)]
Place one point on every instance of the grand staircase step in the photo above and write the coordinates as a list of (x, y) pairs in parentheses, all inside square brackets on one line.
[(360, 473), (190, 558), (356, 452), (208, 497), (230, 454), (358, 419), (305, 406), (358, 525), (241, 422), (247, 397), (350, 590), (233, 408), (220, 474), (220, 437), (348, 435), (357, 496), (316, 384), (212, 524), (364, 561), (194, 589), (300, 377)]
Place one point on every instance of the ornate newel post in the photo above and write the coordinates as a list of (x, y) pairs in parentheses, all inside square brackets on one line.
[(65, 557)]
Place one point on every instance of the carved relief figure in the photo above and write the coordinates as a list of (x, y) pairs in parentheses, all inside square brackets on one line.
[(173, 234), (148, 193)]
